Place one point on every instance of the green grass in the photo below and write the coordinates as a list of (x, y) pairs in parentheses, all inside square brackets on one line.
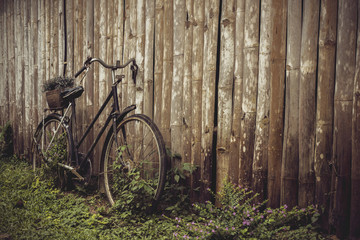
[(32, 208)]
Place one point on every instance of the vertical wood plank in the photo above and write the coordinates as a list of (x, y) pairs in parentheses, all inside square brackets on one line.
[(251, 69), (124, 85), (149, 58), (11, 61), (290, 155), (28, 82), (277, 86), (187, 86), (355, 164), (70, 71), (197, 75), (167, 72), (140, 55), (226, 77), (34, 52), (42, 55), (3, 65), (211, 24), (343, 99), (307, 108), (158, 51), (176, 112), (238, 91), (260, 162), (325, 107)]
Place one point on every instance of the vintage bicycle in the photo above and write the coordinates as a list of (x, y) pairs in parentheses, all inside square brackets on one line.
[(133, 147)]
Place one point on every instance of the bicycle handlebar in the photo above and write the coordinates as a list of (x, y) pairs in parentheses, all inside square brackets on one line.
[(90, 60)]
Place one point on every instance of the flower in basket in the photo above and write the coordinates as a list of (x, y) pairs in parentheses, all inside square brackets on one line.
[(58, 83)]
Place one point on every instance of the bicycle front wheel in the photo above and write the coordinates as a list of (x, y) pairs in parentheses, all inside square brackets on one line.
[(134, 161), (50, 148)]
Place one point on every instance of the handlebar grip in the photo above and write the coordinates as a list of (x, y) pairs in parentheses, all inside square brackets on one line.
[(80, 71)]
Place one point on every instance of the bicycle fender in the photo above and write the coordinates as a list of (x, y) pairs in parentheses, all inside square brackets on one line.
[(125, 112)]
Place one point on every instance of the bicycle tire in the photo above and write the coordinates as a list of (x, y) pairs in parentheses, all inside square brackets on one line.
[(47, 150), (138, 139)]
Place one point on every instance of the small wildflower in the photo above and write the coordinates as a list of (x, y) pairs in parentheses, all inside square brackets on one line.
[(285, 206), (175, 234), (226, 229), (269, 211), (262, 216), (234, 213), (251, 219), (213, 230), (233, 228)]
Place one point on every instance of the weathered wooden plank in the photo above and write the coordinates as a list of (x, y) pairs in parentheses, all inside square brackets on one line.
[(250, 78), (307, 96), (28, 82), (149, 58), (131, 48), (238, 89), (355, 164), (61, 41), (158, 52), (124, 85), (343, 98), (34, 52), (325, 108), (42, 56), (212, 12), (197, 78), (277, 86), (3, 56), (260, 162), (47, 9), (118, 39), (69, 11), (10, 25), (176, 113), (187, 86), (19, 76), (167, 72), (139, 54), (290, 155), (226, 78)]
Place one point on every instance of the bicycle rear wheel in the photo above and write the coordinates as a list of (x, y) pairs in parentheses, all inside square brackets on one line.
[(51, 147), (135, 163)]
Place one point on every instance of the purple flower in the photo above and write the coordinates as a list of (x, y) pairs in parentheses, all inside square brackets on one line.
[(234, 213), (269, 211), (262, 216), (233, 228), (226, 228), (175, 234), (213, 230), (285, 206)]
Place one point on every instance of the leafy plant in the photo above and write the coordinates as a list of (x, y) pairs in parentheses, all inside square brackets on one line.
[(6, 140), (57, 153), (58, 83), (238, 217)]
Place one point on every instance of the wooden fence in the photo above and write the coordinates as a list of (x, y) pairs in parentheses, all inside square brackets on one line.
[(266, 93)]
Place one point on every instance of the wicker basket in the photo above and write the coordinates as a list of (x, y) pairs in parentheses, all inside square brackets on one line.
[(55, 100)]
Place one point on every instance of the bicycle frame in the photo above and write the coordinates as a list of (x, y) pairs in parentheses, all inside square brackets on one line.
[(114, 115)]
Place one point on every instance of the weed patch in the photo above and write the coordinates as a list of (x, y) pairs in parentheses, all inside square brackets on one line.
[(32, 208)]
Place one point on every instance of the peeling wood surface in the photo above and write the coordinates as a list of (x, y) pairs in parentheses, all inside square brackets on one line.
[(237, 89), (290, 155), (324, 113), (307, 110)]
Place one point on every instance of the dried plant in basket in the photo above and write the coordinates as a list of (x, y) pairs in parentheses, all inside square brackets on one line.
[(54, 88), (58, 83)]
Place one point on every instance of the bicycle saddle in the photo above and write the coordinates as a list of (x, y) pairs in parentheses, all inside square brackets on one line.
[(72, 93)]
